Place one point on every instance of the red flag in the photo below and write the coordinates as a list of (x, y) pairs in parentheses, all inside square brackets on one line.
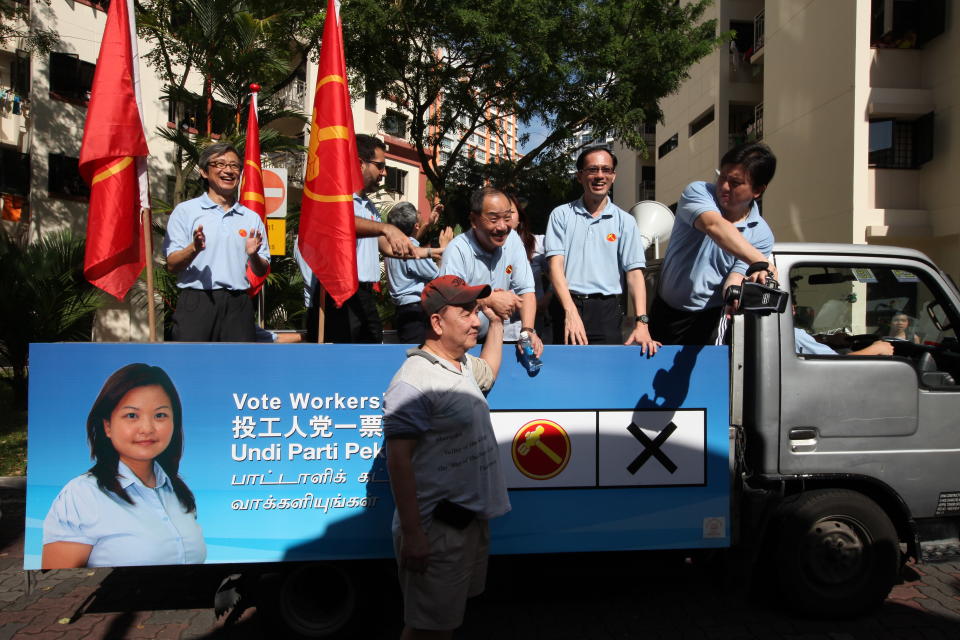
[(113, 159), (328, 234), (251, 185)]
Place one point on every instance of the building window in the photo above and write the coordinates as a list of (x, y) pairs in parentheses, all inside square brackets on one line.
[(646, 189), (20, 73), (70, 77), (444, 157), (668, 146), (743, 37), (63, 178), (481, 155), (396, 181), (897, 144), (192, 117), (906, 24), (705, 118), (14, 171), (395, 124)]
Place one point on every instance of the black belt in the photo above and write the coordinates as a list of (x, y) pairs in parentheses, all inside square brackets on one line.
[(593, 296), (366, 286)]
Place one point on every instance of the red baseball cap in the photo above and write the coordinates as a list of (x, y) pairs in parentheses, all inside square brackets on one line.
[(450, 289)]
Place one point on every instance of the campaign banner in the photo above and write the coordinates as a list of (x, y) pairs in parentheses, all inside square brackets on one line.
[(279, 451)]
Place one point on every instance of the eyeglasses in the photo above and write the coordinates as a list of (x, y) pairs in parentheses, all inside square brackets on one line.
[(592, 171), (220, 164), (493, 217), (379, 165)]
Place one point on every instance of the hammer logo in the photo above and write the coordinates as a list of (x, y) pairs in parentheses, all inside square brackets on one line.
[(541, 449)]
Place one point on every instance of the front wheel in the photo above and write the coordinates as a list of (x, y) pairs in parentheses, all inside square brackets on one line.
[(837, 553)]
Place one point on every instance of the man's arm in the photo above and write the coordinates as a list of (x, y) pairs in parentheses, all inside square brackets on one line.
[(399, 243), (729, 238), (878, 348), (253, 245), (492, 352), (641, 332), (179, 260), (573, 329), (414, 545)]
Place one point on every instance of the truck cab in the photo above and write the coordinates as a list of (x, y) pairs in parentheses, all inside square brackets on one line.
[(851, 460)]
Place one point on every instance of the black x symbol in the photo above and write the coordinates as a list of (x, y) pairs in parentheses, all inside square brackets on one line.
[(651, 448)]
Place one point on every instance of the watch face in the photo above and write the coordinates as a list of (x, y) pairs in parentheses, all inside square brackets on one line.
[(645, 319)]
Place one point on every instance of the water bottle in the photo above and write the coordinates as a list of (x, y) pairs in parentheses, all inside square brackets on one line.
[(527, 357)]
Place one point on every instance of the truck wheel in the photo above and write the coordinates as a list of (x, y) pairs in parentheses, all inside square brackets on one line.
[(837, 554), (316, 600)]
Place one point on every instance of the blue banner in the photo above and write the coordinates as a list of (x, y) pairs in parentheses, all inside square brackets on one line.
[(604, 449)]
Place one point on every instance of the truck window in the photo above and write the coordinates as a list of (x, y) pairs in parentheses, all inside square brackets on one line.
[(845, 307)]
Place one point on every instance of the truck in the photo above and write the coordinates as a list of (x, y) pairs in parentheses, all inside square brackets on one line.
[(825, 471)]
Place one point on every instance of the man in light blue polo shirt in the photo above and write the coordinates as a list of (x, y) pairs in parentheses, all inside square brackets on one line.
[(209, 242), (718, 233), (590, 244), (492, 253)]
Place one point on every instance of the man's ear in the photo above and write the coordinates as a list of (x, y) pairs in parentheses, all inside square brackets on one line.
[(759, 192), (435, 324)]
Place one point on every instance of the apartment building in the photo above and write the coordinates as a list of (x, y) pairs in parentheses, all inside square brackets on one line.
[(859, 101)]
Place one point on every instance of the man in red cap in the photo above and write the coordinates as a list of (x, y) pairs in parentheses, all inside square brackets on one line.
[(443, 459)]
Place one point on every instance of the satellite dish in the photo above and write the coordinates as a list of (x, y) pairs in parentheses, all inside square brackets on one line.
[(654, 221)]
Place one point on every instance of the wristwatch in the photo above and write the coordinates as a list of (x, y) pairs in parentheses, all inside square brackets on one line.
[(529, 330), (643, 319)]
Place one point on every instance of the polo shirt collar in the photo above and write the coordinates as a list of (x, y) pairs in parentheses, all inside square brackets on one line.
[(207, 203), (128, 478), (581, 209), (433, 359), (752, 219), (478, 249)]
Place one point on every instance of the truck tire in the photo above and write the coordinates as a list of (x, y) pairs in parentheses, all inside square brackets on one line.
[(313, 600), (837, 553)]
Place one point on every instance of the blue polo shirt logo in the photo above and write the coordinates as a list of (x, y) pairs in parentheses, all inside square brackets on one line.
[(509, 269), (611, 237)]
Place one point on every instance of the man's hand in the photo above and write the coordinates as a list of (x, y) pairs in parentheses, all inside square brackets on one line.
[(445, 237), (253, 242), (399, 243), (536, 343), (641, 336), (878, 348), (199, 239), (503, 303), (435, 214), (573, 329), (761, 276), (414, 551)]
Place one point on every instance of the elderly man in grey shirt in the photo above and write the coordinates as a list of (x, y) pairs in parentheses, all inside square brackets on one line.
[(443, 459)]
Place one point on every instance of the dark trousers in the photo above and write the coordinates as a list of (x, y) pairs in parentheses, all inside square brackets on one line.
[(216, 315), (411, 324), (678, 326), (601, 316), (357, 321)]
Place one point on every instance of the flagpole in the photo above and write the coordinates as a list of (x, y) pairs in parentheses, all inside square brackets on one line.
[(321, 311), (147, 223)]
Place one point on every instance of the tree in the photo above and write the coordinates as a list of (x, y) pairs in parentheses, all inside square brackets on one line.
[(222, 46), (569, 63), (15, 23), (44, 297)]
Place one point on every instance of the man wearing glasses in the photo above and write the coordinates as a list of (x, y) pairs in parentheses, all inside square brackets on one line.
[(590, 244), (209, 242), (491, 253), (718, 233)]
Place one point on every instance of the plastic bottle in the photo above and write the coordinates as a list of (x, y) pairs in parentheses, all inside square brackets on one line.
[(527, 357)]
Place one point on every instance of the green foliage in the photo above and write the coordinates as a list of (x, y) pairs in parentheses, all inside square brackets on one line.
[(569, 63), (15, 24), (43, 298)]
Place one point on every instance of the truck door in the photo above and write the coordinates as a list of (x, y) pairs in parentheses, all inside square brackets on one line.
[(891, 418)]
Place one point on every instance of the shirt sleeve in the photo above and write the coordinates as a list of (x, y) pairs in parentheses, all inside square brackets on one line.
[(556, 229), (178, 232), (695, 200), (72, 513), (406, 411), (630, 249), (521, 279), (482, 373), (806, 345), (264, 251)]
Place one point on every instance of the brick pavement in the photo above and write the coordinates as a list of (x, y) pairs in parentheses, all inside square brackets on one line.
[(602, 597)]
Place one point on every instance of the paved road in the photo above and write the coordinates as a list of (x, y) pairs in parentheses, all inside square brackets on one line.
[(615, 596)]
